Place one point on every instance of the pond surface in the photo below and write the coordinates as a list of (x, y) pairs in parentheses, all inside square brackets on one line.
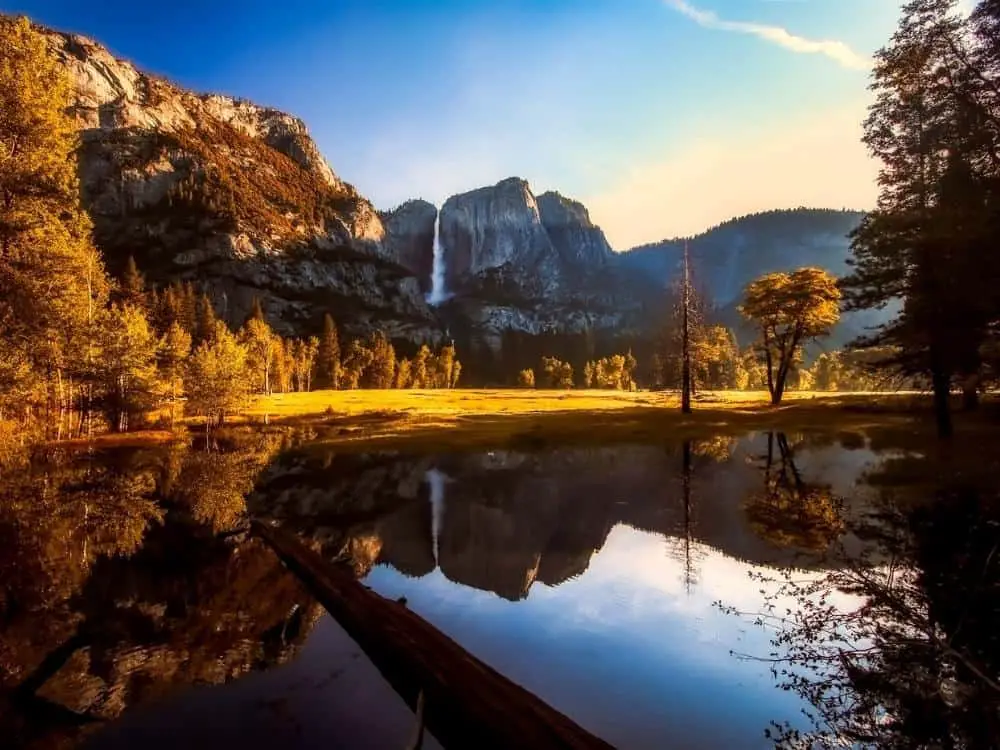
[(710, 594)]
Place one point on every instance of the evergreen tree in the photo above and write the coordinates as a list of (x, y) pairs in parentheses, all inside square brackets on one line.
[(445, 366), (929, 242), (52, 280), (205, 322), (310, 350), (187, 300), (127, 365), (133, 286), (421, 367), (217, 376), (381, 371), (259, 340), (174, 349), (404, 376), (328, 358)]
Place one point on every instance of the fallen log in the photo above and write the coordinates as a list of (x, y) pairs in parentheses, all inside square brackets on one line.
[(467, 704)]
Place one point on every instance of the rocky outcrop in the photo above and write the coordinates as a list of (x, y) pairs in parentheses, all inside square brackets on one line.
[(533, 265), (235, 197), (409, 231), (582, 246), (496, 234)]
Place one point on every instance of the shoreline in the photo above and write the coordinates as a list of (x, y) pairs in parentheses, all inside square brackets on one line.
[(459, 419)]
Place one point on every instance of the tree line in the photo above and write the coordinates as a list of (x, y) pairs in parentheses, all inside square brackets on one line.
[(78, 346), (930, 243)]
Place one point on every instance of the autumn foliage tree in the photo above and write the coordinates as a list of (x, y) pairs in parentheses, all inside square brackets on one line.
[(790, 309), (52, 280), (220, 377)]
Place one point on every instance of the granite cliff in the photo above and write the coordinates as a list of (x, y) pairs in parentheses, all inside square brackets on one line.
[(237, 198), (234, 196)]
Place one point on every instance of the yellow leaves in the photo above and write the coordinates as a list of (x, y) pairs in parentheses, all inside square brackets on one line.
[(218, 376), (54, 280), (804, 303)]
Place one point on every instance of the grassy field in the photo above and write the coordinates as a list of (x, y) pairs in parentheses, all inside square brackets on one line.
[(463, 418), (422, 420)]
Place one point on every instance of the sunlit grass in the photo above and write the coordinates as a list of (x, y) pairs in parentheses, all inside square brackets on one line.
[(466, 419)]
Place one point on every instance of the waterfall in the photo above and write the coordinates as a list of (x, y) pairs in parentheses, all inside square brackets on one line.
[(437, 294), (436, 480)]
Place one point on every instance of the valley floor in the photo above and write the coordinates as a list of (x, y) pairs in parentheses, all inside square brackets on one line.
[(466, 418)]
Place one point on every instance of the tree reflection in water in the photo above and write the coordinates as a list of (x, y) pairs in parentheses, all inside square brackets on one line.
[(788, 511), (899, 651), (99, 611)]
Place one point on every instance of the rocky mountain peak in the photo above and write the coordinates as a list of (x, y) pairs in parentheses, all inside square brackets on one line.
[(558, 210), (492, 228), (111, 93), (233, 196)]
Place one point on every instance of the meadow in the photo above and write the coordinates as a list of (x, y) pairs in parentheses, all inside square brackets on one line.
[(525, 418)]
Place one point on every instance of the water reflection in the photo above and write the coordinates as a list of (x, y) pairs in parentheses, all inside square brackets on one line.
[(116, 587), (612, 556), (617, 583), (899, 652)]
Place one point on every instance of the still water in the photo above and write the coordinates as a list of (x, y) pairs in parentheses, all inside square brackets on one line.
[(711, 594)]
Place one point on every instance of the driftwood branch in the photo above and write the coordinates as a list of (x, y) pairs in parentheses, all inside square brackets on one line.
[(466, 703)]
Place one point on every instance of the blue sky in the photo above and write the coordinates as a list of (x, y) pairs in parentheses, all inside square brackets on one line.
[(663, 116)]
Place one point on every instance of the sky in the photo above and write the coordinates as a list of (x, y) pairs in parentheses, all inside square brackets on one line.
[(665, 117)]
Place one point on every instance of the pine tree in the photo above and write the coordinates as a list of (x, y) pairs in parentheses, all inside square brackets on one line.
[(187, 300), (174, 349), (929, 242), (445, 365), (256, 311), (382, 370), (686, 315), (328, 358), (259, 340), (217, 376), (52, 279), (403, 373), (127, 365), (421, 367), (133, 286), (205, 324)]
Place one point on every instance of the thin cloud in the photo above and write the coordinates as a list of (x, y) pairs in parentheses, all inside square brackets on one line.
[(835, 50)]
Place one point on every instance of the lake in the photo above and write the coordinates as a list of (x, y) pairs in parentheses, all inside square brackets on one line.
[(731, 592)]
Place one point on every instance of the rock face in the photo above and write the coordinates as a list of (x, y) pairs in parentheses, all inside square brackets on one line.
[(580, 244), (235, 197), (535, 265), (409, 231), (497, 231), (728, 257)]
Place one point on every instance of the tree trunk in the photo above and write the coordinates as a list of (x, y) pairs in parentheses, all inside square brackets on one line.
[(970, 393), (942, 413), (769, 360)]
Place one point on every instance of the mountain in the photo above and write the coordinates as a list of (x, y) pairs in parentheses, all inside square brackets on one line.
[(532, 264), (233, 196), (237, 198), (727, 257)]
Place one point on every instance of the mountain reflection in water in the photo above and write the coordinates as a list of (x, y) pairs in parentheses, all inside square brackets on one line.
[(645, 591)]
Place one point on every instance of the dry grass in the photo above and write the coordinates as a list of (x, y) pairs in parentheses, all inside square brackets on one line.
[(470, 419), (469, 402)]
